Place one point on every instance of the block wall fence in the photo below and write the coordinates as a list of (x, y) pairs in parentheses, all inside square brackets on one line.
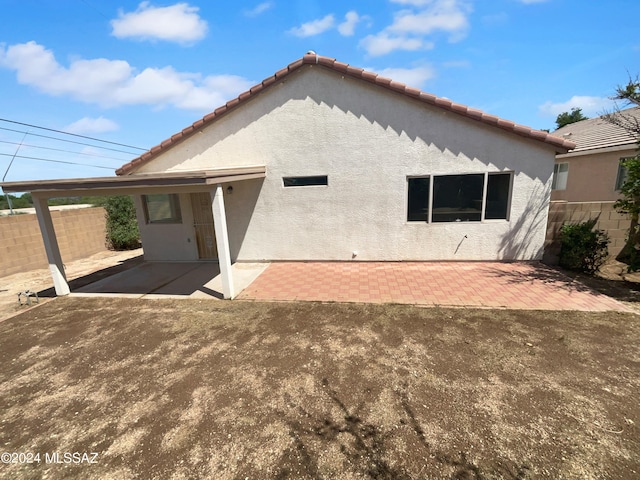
[(615, 224), (80, 233)]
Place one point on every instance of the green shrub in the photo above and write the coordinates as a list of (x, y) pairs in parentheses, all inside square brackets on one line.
[(122, 226), (582, 248)]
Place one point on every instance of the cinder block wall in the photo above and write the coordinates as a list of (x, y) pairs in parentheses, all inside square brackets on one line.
[(80, 232), (560, 212)]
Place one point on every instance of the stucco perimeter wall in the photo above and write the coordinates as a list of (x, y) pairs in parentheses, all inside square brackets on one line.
[(368, 141), (560, 212), (80, 233)]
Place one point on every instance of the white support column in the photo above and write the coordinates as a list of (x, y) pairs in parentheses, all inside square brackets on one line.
[(51, 245), (222, 241)]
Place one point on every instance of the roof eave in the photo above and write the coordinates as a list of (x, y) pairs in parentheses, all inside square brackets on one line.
[(560, 144)]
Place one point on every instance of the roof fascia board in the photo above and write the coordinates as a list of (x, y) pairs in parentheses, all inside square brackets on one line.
[(124, 185), (596, 151)]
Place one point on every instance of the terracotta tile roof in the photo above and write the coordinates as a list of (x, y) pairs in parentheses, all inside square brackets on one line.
[(597, 133), (562, 145)]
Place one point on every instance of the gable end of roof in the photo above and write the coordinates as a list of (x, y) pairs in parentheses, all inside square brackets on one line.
[(560, 144)]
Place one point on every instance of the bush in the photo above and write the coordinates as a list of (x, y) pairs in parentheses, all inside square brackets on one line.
[(122, 226), (582, 248)]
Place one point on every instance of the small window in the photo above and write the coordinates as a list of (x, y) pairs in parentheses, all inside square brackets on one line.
[(498, 187), (560, 175), (305, 181), (162, 208), (457, 198), (418, 199), (622, 174)]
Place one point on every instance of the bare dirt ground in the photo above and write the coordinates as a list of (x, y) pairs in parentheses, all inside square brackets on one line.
[(105, 263), (174, 389)]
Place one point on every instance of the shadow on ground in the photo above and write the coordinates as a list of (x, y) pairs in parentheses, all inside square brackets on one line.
[(80, 282)]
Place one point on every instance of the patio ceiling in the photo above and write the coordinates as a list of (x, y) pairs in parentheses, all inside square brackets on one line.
[(130, 184)]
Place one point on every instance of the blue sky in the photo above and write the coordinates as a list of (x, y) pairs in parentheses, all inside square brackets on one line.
[(135, 73)]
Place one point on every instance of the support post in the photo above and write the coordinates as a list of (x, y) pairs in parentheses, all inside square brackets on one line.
[(222, 241), (51, 245)]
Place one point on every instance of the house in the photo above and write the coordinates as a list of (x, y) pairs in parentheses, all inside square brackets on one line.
[(324, 161), (587, 180), (592, 171)]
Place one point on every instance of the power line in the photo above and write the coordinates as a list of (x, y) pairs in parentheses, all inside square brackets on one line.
[(68, 141), (61, 150), (72, 134), (56, 161)]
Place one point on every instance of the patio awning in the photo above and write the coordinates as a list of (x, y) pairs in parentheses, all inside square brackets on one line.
[(130, 184), (174, 182)]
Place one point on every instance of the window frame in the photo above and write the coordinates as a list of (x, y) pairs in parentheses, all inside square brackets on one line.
[(305, 181), (485, 188), (556, 177), (622, 174), (174, 207)]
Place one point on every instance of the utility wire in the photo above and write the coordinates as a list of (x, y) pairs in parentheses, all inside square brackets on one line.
[(63, 151), (72, 134), (55, 161), (69, 141)]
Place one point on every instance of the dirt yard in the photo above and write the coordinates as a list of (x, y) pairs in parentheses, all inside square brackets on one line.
[(173, 389)]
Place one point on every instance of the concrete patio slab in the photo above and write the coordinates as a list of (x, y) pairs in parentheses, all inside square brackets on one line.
[(171, 280), (518, 285)]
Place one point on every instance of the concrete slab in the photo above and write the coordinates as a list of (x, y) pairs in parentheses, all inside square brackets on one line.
[(172, 280)]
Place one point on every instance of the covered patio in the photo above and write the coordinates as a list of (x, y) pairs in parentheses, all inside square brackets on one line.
[(207, 181)]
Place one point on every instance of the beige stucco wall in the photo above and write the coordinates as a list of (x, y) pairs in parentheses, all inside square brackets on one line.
[(592, 177), (80, 233), (367, 140)]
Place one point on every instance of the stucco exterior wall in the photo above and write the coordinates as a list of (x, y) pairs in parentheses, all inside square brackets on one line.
[(592, 178), (368, 141), (168, 242)]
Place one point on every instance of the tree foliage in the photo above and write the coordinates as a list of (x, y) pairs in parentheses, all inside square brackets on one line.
[(629, 203), (565, 118), (122, 226)]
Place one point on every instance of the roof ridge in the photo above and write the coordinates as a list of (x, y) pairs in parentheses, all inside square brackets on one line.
[(355, 72)]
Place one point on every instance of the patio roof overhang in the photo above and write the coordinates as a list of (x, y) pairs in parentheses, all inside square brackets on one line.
[(174, 182), (187, 181)]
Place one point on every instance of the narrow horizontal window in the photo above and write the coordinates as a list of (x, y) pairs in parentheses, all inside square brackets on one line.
[(162, 208), (305, 181), (418, 199)]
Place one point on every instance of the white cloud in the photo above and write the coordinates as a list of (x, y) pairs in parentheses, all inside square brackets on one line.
[(383, 43), (443, 15), (413, 77), (423, 18), (314, 27), (415, 3), (347, 28), (111, 83), (591, 106), (258, 9), (176, 23), (92, 125)]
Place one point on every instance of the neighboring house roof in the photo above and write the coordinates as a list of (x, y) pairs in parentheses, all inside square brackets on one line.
[(562, 145), (597, 133)]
